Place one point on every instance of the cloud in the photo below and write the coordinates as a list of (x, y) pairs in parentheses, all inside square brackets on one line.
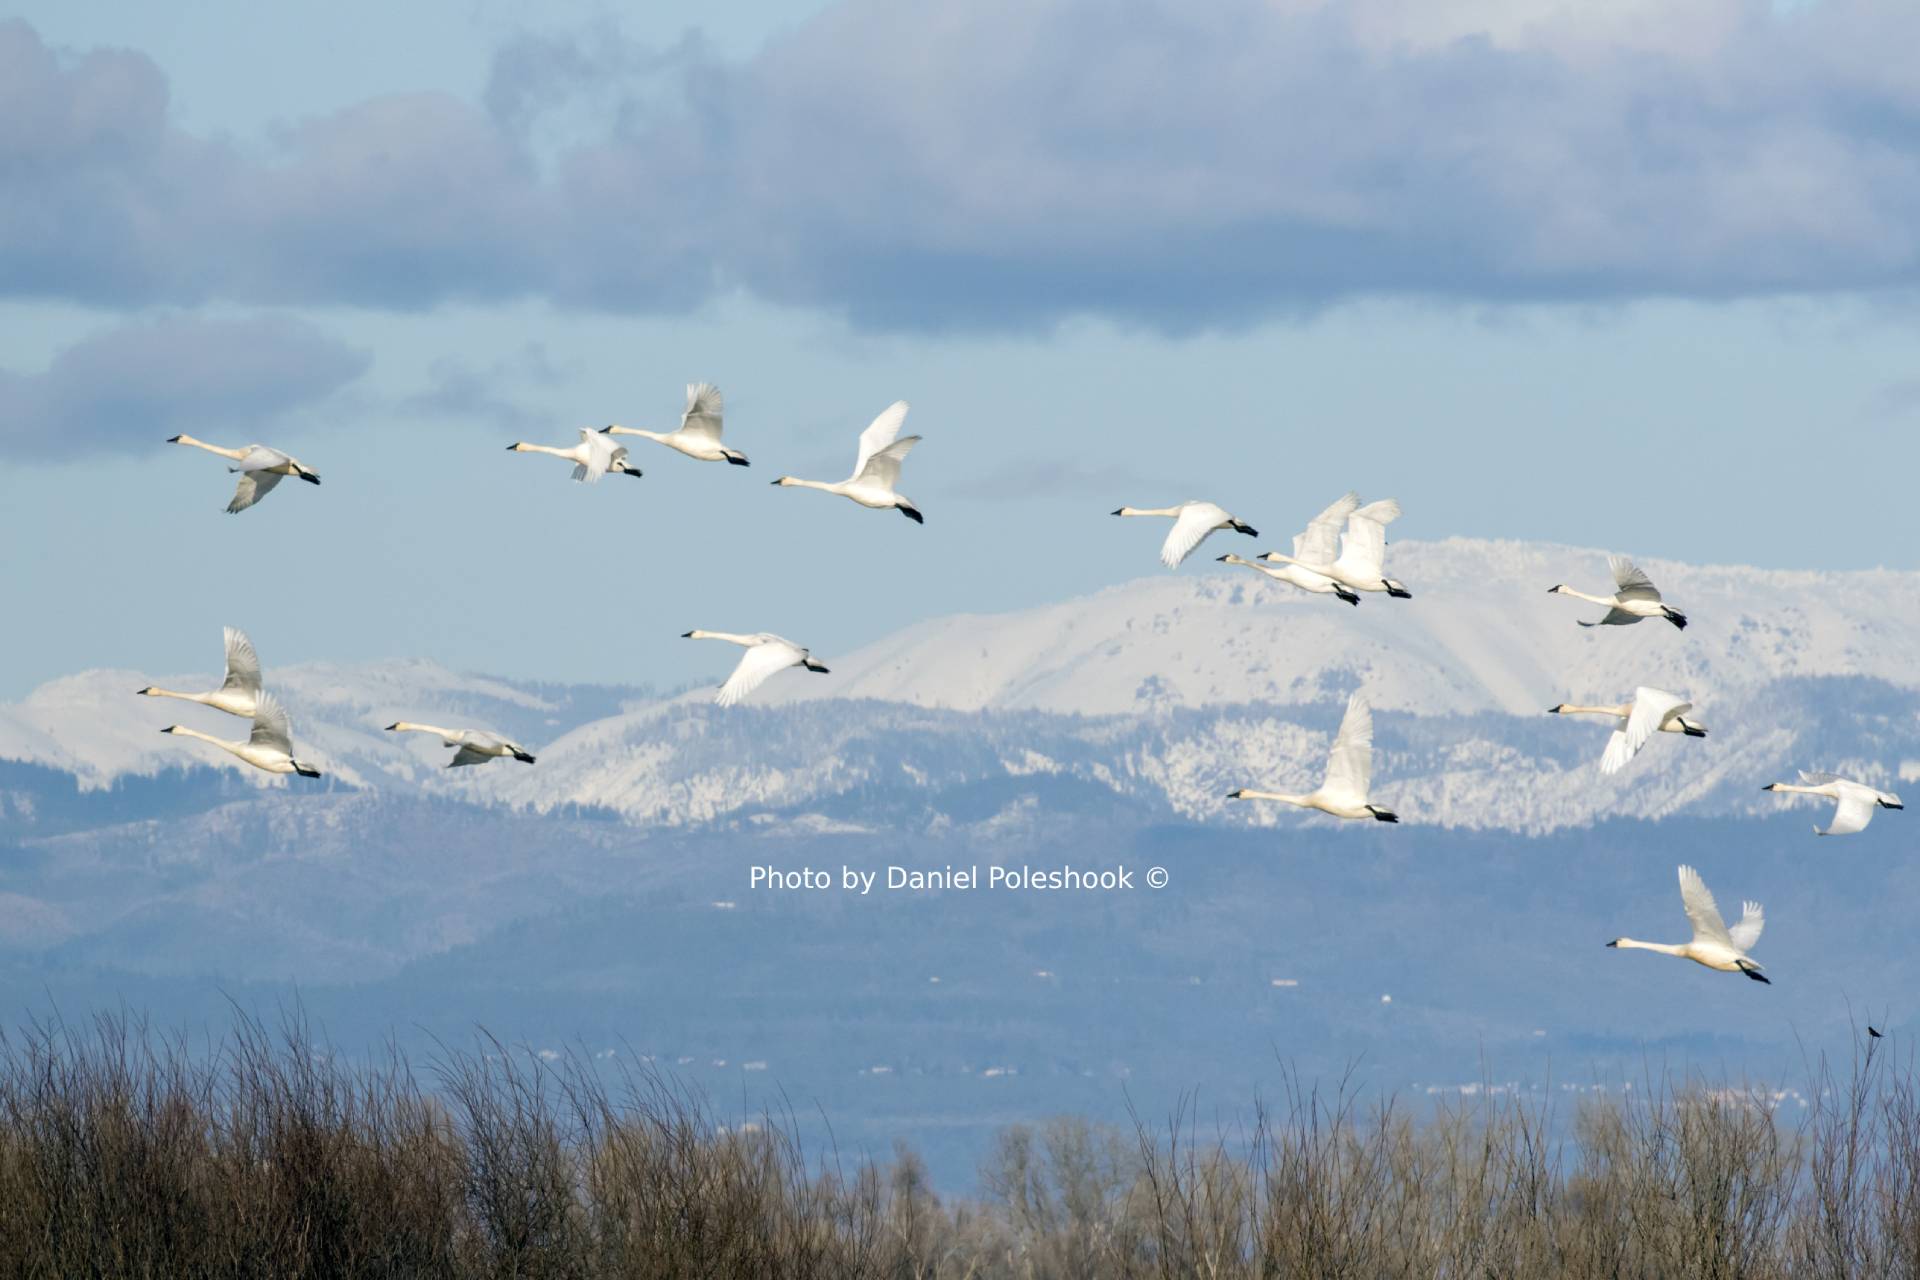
[(133, 386), (1009, 163)]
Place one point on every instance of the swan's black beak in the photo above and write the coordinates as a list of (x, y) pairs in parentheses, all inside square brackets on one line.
[(1221, 559), (173, 439), (1555, 709), (1614, 943), (1115, 512), (686, 635), (512, 448), (395, 725)]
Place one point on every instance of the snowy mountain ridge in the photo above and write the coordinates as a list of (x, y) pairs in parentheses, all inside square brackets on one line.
[(1170, 690)]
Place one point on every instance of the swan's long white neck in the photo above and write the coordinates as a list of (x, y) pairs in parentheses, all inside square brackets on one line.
[(1664, 948), (822, 485), (1148, 511), (235, 454), (1581, 595), (636, 431), (571, 455), (1571, 709), (1822, 790), (155, 691), (748, 641), (408, 726), (1305, 802), (222, 743)]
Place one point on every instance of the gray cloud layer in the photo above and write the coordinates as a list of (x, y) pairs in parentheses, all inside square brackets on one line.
[(1006, 163), (131, 387)]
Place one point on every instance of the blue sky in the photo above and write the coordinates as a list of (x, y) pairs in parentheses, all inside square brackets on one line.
[(1636, 276)]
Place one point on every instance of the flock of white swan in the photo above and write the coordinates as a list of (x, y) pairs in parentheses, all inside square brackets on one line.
[(1342, 552)]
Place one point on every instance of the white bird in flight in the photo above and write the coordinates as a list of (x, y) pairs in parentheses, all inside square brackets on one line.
[(259, 467), (1651, 711), (1635, 598), (1317, 544), (876, 468), (1192, 522), (238, 694), (1713, 945), (698, 435), (592, 458), (766, 653), (1857, 800), (476, 747), (1349, 772), (1294, 575), (269, 747), (1361, 564)]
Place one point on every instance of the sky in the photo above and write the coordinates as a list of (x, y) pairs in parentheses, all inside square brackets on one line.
[(1636, 277)]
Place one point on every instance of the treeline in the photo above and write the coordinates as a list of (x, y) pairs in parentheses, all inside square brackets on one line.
[(124, 1154)]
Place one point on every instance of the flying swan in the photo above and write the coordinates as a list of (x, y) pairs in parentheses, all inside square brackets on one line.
[(766, 654), (698, 435), (260, 469), (1651, 711), (1714, 945), (475, 747), (1349, 772), (238, 695), (876, 469), (270, 746), (1635, 598), (1316, 544), (1361, 564), (1857, 800), (1192, 522), (592, 458)]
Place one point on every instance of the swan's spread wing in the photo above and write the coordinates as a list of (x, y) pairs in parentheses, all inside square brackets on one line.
[(1813, 779), (1631, 584), (1383, 512), (1707, 924), (467, 755), (1855, 811), (253, 486), (1195, 521), (1651, 707), (1752, 921), (702, 417), (1615, 757), (756, 665), (883, 468), (1364, 544), (1350, 763), (880, 433), (1321, 542), (600, 454), (243, 664), (271, 728)]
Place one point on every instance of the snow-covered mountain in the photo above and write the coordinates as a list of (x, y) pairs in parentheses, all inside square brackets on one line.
[(1171, 691)]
